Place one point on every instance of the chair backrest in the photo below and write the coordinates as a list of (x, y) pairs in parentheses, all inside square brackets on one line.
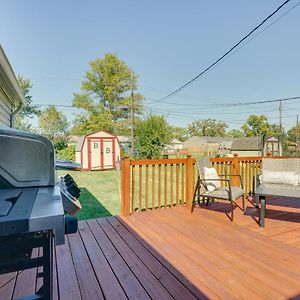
[(201, 163)]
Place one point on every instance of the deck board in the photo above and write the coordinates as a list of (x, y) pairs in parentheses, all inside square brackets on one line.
[(175, 254), (109, 283)]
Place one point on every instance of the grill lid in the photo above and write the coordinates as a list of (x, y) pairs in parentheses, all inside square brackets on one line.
[(26, 160)]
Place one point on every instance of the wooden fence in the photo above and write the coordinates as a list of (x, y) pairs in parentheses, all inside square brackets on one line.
[(162, 183)]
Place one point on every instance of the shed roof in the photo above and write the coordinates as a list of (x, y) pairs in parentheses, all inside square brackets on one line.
[(247, 143), (272, 139)]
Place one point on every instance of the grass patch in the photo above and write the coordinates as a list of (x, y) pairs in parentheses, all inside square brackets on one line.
[(99, 193)]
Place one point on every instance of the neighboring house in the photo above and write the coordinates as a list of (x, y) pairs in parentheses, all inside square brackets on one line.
[(247, 146), (194, 141), (207, 145), (174, 147), (98, 151), (73, 140), (11, 96), (256, 146)]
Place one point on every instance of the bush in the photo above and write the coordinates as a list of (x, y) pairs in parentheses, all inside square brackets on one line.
[(152, 134), (67, 153)]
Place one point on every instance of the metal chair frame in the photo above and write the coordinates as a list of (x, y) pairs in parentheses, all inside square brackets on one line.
[(201, 183)]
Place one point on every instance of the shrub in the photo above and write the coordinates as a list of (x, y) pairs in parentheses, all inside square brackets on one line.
[(67, 153)]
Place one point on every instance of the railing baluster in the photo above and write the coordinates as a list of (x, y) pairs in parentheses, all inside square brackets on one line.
[(182, 185), (159, 186), (146, 196), (177, 184), (140, 188), (153, 187), (133, 190), (251, 177), (165, 185), (171, 185)]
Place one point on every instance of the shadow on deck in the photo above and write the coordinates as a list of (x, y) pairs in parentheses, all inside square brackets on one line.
[(173, 254)]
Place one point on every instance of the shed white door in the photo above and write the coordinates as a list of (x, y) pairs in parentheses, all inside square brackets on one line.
[(95, 154), (108, 153)]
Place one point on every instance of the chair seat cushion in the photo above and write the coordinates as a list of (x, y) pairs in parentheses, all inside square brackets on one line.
[(280, 177), (223, 193)]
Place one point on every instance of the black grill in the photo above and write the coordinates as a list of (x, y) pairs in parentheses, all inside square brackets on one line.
[(36, 211)]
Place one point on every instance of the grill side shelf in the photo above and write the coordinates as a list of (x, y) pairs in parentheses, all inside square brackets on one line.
[(16, 221)]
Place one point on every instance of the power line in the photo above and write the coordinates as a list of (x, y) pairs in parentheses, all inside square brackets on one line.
[(202, 107), (225, 54), (209, 106)]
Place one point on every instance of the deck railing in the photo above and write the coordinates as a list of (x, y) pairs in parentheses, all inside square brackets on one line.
[(161, 183), (153, 184)]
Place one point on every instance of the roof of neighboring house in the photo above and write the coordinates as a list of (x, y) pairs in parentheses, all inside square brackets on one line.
[(175, 141), (216, 139), (247, 143), (9, 80), (79, 143), (124, 139), (73, 139), (201, 140), (194, 141)]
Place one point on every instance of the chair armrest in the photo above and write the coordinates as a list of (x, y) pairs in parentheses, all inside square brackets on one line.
[(234, 175), (219, 179)]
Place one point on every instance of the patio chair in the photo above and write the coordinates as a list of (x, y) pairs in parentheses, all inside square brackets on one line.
[(227, 192)]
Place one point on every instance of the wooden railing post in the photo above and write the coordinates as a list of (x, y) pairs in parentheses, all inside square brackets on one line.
[(189, 181), (125, 195), (234, 180)]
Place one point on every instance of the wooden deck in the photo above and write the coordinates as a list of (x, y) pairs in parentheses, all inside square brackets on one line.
[(173, 254)]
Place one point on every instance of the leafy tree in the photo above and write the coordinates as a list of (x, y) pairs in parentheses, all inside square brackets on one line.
[(291, 134), (179, 133), (67, 153), (208, 127), (54, 125), (235, 133), (152, 134), (85, 123), (29, 110), (105, 97), (259, 125)]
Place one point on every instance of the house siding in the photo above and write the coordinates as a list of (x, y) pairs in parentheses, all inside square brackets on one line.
[(5, 110)]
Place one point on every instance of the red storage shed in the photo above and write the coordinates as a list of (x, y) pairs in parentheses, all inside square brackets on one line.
[(98, 151)]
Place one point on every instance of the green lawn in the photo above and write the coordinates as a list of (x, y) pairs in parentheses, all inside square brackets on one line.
[(100, 195)]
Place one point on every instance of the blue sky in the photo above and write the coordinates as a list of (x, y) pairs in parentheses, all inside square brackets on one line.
[(166, 43)]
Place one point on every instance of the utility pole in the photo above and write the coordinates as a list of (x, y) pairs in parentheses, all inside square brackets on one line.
[(280, 116), (132, 115), (297, 134), (280, 128)]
